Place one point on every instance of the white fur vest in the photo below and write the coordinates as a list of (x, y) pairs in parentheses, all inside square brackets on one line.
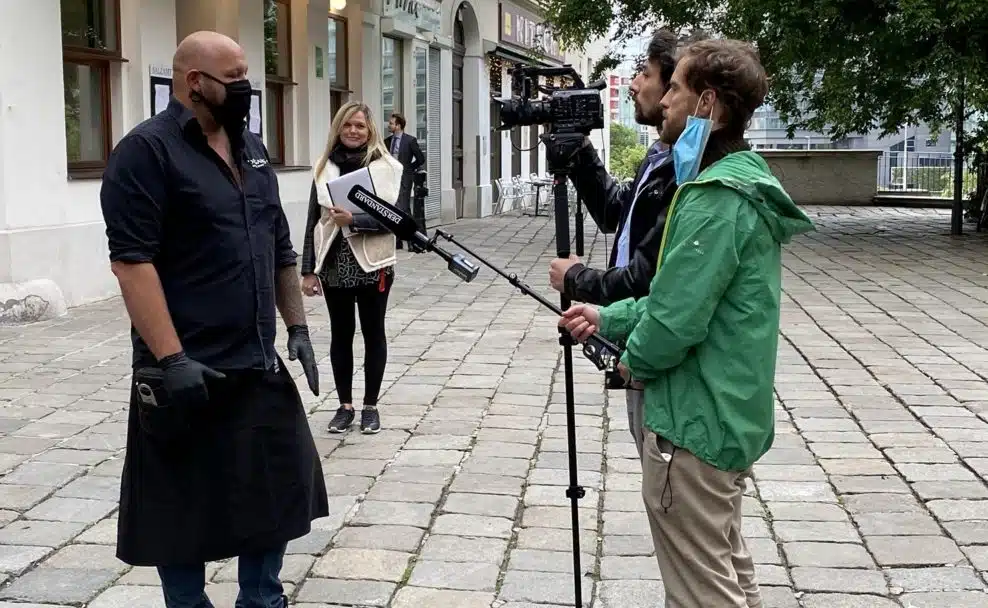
[(373, 251)]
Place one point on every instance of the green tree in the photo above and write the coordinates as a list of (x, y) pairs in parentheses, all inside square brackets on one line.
[(622, 137), (625, 163), (836, 66), (625, 151)]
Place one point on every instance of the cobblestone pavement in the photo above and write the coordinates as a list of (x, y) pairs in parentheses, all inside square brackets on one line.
[(873, 496)]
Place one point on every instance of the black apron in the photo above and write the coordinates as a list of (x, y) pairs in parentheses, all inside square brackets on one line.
[(238, 476)]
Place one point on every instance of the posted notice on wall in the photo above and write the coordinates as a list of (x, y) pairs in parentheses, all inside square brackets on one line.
[(162, 93), (254, 117)]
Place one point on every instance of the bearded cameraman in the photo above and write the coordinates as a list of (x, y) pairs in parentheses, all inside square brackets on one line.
[(635, 211)]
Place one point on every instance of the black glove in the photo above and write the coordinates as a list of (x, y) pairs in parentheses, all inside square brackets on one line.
[(300, 347), (185, 379)]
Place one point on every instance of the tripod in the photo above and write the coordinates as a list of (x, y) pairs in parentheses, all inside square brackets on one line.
[(561, 149)]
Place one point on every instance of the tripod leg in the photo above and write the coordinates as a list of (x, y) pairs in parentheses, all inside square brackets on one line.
[(574, 492), (579, 227)]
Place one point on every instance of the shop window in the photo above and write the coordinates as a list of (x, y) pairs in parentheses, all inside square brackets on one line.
[(339, 75), (459, 53), (391, 81), (422, 98), (90, 48), (278, 74)]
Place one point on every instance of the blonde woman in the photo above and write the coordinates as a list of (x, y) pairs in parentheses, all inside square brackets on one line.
[(349, 258)]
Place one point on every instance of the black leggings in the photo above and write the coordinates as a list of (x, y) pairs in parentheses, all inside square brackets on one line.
[(372, 304)]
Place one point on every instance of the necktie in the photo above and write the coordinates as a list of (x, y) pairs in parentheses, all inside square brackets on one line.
[(394, 145)]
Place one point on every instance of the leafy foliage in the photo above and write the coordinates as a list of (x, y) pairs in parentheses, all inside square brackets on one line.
[(625, 164), (836, 66), (622, 137), (625, 151)]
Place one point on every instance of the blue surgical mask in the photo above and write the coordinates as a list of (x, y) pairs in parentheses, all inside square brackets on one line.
[(687, 153)]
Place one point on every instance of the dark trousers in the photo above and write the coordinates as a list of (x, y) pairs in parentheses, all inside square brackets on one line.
[(258, 575), (405, 198), (405, 191), (372, 304)]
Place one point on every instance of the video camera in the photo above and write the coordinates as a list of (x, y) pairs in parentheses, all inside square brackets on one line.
[(572, 112), (574, 109)]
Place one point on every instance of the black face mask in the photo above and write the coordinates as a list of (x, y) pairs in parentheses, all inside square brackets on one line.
[(232, 113)]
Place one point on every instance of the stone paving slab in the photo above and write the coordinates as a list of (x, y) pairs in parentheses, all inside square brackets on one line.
[(873, 496)]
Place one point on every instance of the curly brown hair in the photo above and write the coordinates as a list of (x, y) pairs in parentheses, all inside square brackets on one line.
[(731, 68), (662, 52)]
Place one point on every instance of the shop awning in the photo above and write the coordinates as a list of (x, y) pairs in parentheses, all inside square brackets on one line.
[(516, 56)]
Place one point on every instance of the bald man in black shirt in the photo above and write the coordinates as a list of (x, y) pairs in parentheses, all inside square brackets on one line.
[(220, 460)]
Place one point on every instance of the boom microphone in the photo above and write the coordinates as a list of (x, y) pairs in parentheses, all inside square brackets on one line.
[(404, 227)]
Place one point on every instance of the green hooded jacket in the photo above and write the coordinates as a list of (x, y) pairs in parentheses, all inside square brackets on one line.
[(704, 341)]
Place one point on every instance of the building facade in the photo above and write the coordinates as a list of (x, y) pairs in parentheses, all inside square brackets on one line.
[(511, 34), (621, 106), (905, 156), (97, 68)]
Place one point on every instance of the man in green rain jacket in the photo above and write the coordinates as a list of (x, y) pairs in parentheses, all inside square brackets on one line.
[(704, 340)]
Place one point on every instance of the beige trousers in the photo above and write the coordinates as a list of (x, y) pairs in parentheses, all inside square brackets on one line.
[(694, 511), (636, 403)]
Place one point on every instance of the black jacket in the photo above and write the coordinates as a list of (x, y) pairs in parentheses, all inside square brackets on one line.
[(608, 203), (409, 152), (362, 222)]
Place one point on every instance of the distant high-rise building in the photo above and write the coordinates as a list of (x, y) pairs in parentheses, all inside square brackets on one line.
[(913, 147), (622, 108)]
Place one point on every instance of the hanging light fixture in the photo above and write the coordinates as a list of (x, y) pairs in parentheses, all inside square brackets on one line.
[(337, 5)]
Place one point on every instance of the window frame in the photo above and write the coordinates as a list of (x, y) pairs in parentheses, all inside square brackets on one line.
[(278, 86), (457, 98), (345, 86), (102, 61), (421, 86), (397, 80), (277, 90)]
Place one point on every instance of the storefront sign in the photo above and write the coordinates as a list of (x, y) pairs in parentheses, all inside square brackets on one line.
[(426, 15), (523, 29)]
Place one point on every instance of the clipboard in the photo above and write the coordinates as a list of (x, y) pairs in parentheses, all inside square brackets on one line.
[(340, 187)]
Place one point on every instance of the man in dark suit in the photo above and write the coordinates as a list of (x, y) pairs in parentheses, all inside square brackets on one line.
[(405, 148)]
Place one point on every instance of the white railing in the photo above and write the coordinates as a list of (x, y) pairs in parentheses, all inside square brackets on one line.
[(919, 173)]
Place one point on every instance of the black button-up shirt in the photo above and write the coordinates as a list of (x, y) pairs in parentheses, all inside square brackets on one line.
[(170, 200)]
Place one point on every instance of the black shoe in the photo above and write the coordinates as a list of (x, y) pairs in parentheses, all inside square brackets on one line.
[(370, 421), (342, 420)]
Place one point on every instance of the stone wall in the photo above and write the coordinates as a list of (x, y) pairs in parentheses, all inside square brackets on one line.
[(826, 177)]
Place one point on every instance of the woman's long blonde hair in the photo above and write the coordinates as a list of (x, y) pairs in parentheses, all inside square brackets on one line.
[(375, 143)]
